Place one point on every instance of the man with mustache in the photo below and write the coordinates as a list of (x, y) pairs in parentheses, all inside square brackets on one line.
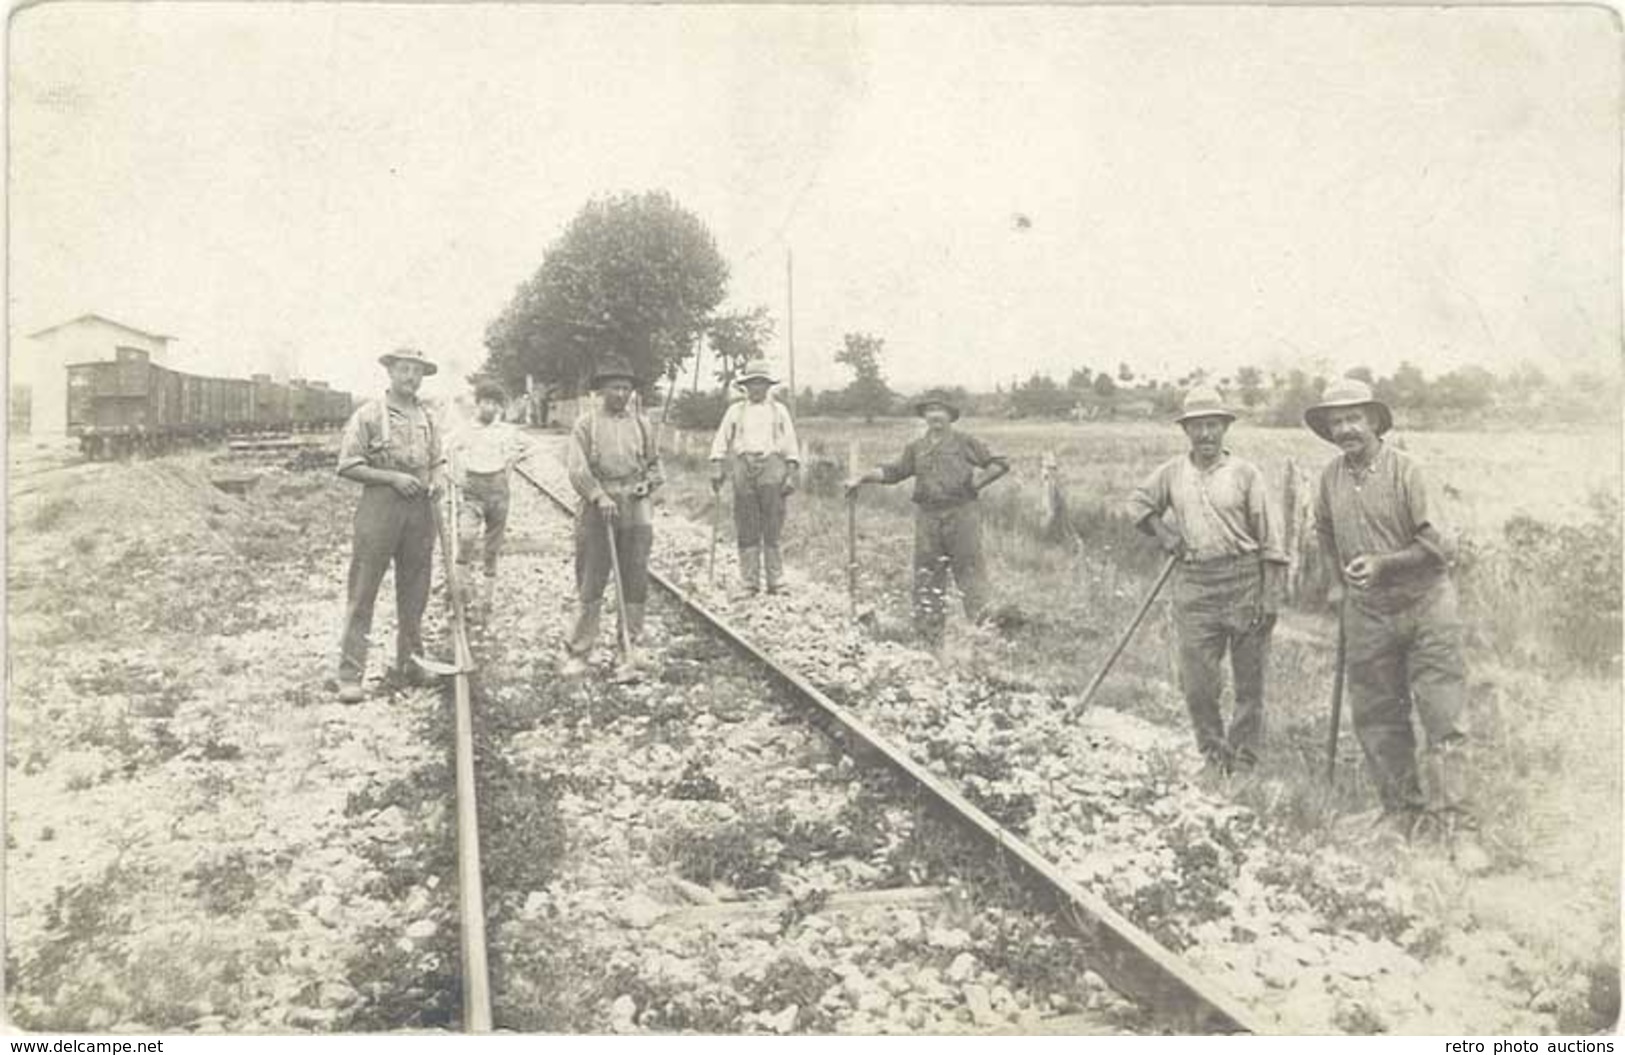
[(1400, 622), (947, 528), (614, 467), (392, 448), (1232, 576)]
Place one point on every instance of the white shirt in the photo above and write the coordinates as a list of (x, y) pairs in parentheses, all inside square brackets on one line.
[(756, 428), (489, 448)]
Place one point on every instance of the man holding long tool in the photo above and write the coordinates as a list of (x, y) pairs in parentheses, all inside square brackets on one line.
[(947, 530), (392, 448), (761, 439), (1400, 621), (1232, 576), (614, 466)]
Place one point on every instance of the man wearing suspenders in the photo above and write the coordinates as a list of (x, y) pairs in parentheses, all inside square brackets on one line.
[(392, 448), (614, 466), (759, 435), (1232, 576)]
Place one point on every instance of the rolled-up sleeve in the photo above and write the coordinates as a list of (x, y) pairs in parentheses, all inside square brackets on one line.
[(1413, 490), (1325, 530), (1264, 518), (653, 471), (357, 439), (901, 469), (789, 446), (1152, 497), (725, 431), (576, 463)]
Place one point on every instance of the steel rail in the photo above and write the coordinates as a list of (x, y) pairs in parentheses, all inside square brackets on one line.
[(1129, 959), (470, 884)]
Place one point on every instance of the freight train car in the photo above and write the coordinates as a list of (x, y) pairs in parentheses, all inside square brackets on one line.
[(131, 404)]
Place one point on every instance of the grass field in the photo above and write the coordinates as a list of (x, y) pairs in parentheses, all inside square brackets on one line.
[(1537, 519)]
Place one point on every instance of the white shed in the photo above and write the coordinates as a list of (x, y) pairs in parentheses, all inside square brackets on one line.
[(38, 368)]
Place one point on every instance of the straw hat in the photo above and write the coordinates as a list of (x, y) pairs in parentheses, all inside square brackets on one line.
[(1346, 392), (756, 370), (410, 355), (1204, 402)]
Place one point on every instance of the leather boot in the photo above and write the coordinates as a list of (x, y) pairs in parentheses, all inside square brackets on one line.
[(1447, 768)]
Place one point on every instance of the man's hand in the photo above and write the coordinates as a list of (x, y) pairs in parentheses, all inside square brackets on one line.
[(788, 488), (1168, 539), (606, 505), (1363, 571), (1271, 594), (406, 485)]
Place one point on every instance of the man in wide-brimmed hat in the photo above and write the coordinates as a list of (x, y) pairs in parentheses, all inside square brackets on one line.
[(761, 439), (392, 448), (1211, 510), (1400, 621), (614, 466), (947, 530)]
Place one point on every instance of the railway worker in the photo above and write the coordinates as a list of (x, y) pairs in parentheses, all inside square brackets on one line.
[(761, 439), (1232, 576), (482, 455), (391, 447), (614, 466), (1400, 622), (947, 530)]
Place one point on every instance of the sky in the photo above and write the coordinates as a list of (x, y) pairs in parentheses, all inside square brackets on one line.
[(299, 188)]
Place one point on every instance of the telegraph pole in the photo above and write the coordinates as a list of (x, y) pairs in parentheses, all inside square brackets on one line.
[(790, 321)]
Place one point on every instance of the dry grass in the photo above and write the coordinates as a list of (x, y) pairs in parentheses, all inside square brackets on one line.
[(1543, 695)]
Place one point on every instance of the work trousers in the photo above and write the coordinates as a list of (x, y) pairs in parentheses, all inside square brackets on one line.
[(1400, 655), (483, 510), (946, 538), (388, 528), (1216, 604), (634, 536), (758, 483)]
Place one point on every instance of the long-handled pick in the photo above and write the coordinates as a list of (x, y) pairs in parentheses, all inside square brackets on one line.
[(628, 662), (1122, 642), (1337, 691)]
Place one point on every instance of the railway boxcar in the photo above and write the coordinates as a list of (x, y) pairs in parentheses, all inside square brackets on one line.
[(131, 404)]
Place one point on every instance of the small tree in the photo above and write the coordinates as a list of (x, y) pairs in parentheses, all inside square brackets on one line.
[(1250, 384), (867, 394), (738, 337), (1105, 387)]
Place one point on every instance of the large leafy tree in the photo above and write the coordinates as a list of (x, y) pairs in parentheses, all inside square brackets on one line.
[(634, 275)]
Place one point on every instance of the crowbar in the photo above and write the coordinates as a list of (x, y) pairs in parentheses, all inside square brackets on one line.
[(1122, 642)]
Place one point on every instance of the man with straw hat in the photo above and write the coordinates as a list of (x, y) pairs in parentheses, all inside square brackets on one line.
[(1400, 622), (759, 435), (392, 448), (947, 531), (614, 466), (1211, 510)]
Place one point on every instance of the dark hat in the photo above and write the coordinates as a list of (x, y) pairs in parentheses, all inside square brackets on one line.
[(490, 390), (612, 368), (1204, 402), (937, 398), (411, 355), (1346, 392)]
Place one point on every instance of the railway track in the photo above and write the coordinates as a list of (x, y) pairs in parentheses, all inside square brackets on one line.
[(686, 861)]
